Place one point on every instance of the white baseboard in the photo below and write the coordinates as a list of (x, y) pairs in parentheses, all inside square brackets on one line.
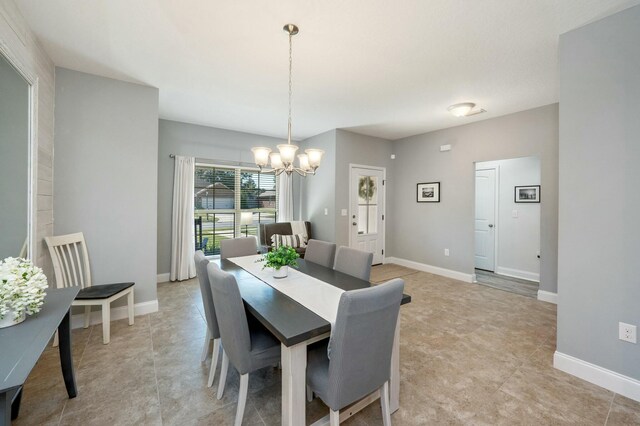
[(547, 296), (77, 320), (468, 278), (163, 278), (517, 273), (615, 382)]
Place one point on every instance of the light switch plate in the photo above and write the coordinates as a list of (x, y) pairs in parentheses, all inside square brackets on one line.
[(343, 212), (514, 213), (326, 212)]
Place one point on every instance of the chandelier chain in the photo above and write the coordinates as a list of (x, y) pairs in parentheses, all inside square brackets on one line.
[(290, 85)]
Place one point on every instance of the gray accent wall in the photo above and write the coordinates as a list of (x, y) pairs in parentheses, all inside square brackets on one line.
[(599, 241), (354, 148), (319, 192), (202, 142), (421, 231), (21, 46), (106, 175)]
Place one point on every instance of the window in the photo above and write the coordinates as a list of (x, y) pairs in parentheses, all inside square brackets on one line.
[(231, 202)]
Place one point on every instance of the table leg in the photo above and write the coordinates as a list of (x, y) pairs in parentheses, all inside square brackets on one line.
[(294, 366), (5, 408), (15, 405), (66, 360), (394, 382)]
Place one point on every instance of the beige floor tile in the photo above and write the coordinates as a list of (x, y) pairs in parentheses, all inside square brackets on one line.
[(469, 355)]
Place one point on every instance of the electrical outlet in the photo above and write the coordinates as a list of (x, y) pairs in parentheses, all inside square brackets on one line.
[(627, 332), (446, 252), (326, 212)]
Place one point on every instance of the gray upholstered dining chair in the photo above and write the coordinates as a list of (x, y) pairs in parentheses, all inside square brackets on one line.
[(247, 345), (357, 360), (213, 332), (237, 247), (320, 252), (356, 263)]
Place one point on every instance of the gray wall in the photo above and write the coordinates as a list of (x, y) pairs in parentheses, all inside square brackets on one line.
[(14, 160), (106, 175), (18, 42), (421, 231), (364, 150), (201, 142), (599, 239), (319, 192)]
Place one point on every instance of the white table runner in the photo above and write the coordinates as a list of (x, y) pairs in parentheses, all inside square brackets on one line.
[(317, 296)]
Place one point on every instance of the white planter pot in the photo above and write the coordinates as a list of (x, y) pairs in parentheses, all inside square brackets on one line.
[(281, 273), (11, 319)]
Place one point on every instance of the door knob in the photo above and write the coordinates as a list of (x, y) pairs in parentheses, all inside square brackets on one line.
[(491, 225)]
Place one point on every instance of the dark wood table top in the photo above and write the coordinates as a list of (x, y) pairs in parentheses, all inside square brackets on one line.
[(21, 345), (287, 319)]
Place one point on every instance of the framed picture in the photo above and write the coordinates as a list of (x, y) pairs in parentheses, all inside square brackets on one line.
[(527, 194), (429, 192)]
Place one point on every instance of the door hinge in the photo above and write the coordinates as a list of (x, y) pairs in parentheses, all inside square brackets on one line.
[(383, 181), (382, 251), (382, 217)]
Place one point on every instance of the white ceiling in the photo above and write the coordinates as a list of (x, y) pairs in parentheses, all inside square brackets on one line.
[(377, 67)]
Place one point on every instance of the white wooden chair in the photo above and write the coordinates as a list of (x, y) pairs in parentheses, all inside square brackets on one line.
[(71, 266)]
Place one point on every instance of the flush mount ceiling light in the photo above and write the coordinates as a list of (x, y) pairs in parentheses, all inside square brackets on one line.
[(282, 161), (464, 109)]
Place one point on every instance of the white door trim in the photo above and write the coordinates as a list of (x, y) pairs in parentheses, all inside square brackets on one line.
[(496, 214), (384, 200)]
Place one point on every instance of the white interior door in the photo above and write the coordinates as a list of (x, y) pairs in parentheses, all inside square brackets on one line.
[(366, 214), (485, 230)]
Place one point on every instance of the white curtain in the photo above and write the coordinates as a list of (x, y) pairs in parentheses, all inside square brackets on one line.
[(285, 198), (182, 239)]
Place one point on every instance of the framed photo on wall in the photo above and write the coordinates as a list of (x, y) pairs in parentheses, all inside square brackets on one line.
[(429, 192), (527, 194)]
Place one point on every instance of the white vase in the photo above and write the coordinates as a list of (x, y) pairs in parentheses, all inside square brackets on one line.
[(11, 319), (281, 273)]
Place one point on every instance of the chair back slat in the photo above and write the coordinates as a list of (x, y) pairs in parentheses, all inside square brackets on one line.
[(70, 260)]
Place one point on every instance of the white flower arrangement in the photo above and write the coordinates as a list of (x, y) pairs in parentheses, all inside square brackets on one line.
[(22, 287)]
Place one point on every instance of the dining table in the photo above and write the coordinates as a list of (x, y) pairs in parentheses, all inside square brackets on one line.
[(297, 323)]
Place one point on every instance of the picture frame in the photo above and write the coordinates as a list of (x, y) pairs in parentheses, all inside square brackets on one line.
[(428, 192), (527, 194)]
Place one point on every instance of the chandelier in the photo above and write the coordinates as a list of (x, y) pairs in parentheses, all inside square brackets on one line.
[(283, 160)]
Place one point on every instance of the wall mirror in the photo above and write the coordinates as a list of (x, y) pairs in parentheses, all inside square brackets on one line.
[(15, 170)]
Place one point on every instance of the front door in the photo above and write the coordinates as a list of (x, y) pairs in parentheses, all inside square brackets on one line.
[(367, 211), (485, 219)]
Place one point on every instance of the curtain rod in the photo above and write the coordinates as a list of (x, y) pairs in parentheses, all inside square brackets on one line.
[(220, 162)]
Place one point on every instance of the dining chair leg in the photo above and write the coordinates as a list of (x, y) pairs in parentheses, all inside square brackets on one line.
[(130, 307), (242, 398), (334, 418), (214, 361), (384, 403), (223, 375), (87, 316), (205, 348), (309, 394), (106, 322)]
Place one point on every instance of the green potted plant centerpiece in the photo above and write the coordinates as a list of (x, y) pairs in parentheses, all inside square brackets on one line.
[(280, 259), (22, 290)]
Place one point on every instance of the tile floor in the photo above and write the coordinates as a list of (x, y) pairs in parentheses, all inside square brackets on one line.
[(469, 355)]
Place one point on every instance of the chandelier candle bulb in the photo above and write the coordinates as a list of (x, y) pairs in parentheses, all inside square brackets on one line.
[(276, 161), (303, 159), (287, 153), (315, 156), (261, 155)]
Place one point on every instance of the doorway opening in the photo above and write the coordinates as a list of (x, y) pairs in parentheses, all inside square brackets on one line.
[(507, 224)]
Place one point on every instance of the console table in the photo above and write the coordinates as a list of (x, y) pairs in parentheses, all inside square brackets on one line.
[(21, 346)]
